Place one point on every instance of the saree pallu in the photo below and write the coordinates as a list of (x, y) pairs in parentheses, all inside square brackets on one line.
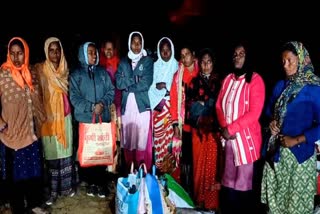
[(162, 132)]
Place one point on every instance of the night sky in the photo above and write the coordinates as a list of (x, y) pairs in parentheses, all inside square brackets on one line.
[(263, 25)]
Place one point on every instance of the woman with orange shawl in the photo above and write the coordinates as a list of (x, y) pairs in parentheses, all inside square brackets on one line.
[(57, 130), (20, 122)]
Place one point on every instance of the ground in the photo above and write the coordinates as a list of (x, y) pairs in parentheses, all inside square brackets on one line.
[(78, 204)]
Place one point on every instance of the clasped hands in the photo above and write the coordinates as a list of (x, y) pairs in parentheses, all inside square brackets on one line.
[(98, 108), (226, 135), (285, 140)]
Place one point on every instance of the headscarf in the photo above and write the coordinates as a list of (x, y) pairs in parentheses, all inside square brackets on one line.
[(136, 57), (111, 65), (22, 74), (53, 92), (304, 76), (163, 72), (113, 62)]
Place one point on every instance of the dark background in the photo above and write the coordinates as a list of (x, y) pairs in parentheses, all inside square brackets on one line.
[(265, 26)]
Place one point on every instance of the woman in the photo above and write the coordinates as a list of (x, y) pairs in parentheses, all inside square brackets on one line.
[(204, 133), (159, 95), (22, 115), (57, 130), (180, 102), (91, 92), (239, 106), (109, 59), (289, 179), (133, 78)]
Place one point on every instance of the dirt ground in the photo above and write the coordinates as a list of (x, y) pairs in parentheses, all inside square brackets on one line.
[(80, 203)]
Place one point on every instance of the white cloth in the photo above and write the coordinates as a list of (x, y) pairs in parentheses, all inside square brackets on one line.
[(136, 57), (162, 72)]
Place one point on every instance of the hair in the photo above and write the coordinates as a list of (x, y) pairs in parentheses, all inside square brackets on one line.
[(207, 51), (247, 63), (16, 42), (136, 35), (165, 42), (188, 46), (289, 47)]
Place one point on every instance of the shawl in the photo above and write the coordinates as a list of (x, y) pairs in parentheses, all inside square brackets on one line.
[(304, 76), (53, 93), (162, 72), (22, 74)]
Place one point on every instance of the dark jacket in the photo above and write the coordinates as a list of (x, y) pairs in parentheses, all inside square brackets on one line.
[(135, 81), (88, 87)]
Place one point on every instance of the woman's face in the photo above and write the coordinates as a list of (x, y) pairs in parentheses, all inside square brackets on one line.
[(206, 64), (108, 50), (17, 55), (54, 52), (92, 54), (136, 44), (187, 57), (239, 57), (290, 62), (165, 52)]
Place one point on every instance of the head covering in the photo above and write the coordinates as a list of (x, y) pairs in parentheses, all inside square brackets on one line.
[(136, 57), (112, 63), (304, 76), (58, 77), (83, 58), (83, 54), (57, 87), (163, 72), (22, 74)]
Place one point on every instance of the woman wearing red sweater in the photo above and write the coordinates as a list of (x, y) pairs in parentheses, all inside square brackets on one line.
[(180, 102), (239, 106)]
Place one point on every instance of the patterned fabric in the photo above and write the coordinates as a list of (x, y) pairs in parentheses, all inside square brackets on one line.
[(26, 162), (55, 150), (179, 100), (205, 152), (162, 72), (285, 188), (303, 77), (239, 106), (22, 74), (55, 86), (21, 109), (163, 132), (60, 172)]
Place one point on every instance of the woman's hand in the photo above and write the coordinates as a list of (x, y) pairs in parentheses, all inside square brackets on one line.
[(98, 108), (288, 142), (226, 135), (176, 132), (273, 126)]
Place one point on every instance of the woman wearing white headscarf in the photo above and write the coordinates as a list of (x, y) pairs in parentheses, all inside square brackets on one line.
[(159, 95), (133, 78)]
